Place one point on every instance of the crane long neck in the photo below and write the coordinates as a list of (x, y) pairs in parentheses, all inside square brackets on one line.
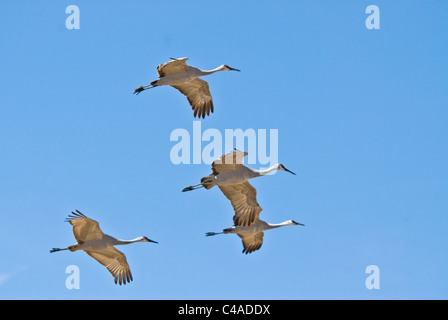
[(206, 72), (257, 173), (277, 225), (120, 241)]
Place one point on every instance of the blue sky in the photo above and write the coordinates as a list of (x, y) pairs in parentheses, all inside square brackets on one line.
[(361, 116)]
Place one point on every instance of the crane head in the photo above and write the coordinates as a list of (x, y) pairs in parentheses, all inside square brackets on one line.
[(145, 239), (282, 168), (227, 68)]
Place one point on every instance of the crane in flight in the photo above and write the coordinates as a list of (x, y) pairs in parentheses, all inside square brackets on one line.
[(185, 78), (100, 246), (252, 235), (231, 176)]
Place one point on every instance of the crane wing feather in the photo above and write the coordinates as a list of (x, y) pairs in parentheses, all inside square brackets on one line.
[(115, 262), (84, 228), (243, 198), (174, 66), (228, 162), (251, 242), (198, 95)]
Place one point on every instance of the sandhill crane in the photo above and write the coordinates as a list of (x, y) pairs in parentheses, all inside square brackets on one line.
[(179, 75), (252, 235), (231, 176), (100, 246)]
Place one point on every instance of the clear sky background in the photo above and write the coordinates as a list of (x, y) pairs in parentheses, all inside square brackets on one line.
[(362, 119)]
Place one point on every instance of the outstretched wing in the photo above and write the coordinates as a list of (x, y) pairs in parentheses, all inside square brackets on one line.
[(252, 242), (174, 66), (243, 198), (84, 228), (198, 95), (115, 262), (228, 162)]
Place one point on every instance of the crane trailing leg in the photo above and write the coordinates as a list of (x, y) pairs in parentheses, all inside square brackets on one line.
[(149, 86), (190, 188), (206, 182), (58, 249), (209, 234)]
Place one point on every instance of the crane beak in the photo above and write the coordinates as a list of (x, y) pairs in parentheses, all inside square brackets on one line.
[(149, 240), (234, 69), (298, 224), (287, 170)]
